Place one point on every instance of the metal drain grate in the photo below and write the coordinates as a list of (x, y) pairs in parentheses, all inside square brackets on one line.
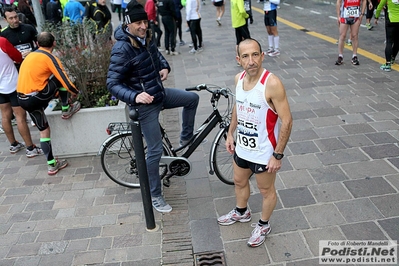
[(210, 258)]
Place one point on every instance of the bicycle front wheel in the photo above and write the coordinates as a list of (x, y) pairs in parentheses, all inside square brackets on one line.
[(118, 160), (221, 160)]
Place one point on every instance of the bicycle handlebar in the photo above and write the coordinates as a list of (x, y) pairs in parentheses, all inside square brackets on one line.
[(223, 91)]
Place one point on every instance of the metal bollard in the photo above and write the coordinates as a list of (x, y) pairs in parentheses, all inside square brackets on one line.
[(142, 169)]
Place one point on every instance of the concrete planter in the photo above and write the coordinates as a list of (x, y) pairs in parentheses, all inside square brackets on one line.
[(84, 132)]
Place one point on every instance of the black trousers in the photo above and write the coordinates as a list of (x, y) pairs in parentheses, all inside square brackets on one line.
[(196, 31)]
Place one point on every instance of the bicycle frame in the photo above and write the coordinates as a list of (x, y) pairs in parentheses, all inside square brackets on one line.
[(211, 122)]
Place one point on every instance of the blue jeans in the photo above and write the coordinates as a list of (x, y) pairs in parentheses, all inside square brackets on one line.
[(148, 118)]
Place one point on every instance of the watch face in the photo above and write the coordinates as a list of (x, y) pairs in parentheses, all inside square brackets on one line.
[(278, 156)]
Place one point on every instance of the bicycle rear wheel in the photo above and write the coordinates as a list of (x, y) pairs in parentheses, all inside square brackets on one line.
[(118, 160), (221, 160)]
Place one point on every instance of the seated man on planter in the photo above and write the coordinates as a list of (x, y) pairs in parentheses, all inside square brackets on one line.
[(135, 76), (41, 78)]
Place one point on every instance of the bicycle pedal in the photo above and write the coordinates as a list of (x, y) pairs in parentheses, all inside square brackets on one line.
[(166, 182)]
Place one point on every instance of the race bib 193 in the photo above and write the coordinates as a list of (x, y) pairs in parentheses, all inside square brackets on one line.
[(247, 141)]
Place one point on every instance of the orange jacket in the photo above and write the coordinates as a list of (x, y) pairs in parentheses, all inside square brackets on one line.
[(37, 68)]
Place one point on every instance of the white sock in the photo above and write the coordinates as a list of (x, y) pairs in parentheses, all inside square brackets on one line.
[(276, 42), (270, 38)]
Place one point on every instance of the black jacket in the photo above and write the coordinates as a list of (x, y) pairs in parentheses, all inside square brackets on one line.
[(134, 68), (54, 12), (167, 8)]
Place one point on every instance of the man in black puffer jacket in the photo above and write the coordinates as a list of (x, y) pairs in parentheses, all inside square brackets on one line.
[(135, 76)]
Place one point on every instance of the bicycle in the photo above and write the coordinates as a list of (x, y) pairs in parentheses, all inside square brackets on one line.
[(118, 157)]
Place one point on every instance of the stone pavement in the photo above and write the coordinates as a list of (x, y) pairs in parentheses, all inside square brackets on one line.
[(339, 180)]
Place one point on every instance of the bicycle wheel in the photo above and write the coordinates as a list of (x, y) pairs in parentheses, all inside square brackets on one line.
[(221, 160), (118, 161)]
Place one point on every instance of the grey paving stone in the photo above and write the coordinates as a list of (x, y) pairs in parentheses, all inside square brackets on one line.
[(53, 247), (390, 226), (313, 237), (368, 169), (303, 147), (19, 191), (299, 115), (355, 141), (358, 210), (381, 138), (330, 131), (297, 178), (302, 135), (353, 118), (323, 215), (341, 156), (201, 208), (294, 197), (381, 151), (327, 174), (393, 180), (28, 261), (385, 125), (326, 121), (197, 188), (81, 233), (23, 250), (329, 144), (89, 257), (28, 237), (358, 128), (205, 235), (20, 217), (369, 187), (325, 112), (50, 236), (387, 204), (307, 161), (286, 220), (40, 206), (127, 241), (238, 253), (363, 231), (329, 192), (287, 247)]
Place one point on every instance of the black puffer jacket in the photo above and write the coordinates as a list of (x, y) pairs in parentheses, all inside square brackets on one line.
[(134, 68)]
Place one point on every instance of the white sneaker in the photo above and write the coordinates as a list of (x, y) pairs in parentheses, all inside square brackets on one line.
[(160, 204), (174, 53), (200, 49), (193, 51), (33, 153), (258, 235), (275, 53)]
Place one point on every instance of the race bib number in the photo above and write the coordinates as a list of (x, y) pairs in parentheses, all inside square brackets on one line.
[(351, 12), (24, 47), (247, 141)]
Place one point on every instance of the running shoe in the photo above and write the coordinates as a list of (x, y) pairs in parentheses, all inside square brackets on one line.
[(349, 42), (355, 61), (160, 204), (234, 216), (191, 45), (181, 43), (340, 61), (14, 122), (270, 50), (274, 53), (218, 22), (167, 51), (73, 108), (1, 130), (192, 51), (258, 235), (386, 67), (16, 148), (35, 152), (392, 60), (200, 49), (369, 26), (174, 53), (160, 49), (52, 170)]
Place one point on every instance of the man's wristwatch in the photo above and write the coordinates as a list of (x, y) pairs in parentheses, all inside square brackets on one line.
[(278, 156)]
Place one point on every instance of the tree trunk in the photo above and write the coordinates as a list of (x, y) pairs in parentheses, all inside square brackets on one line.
[(38, 14)]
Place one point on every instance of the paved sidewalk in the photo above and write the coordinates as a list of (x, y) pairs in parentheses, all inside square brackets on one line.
[(340, 176)]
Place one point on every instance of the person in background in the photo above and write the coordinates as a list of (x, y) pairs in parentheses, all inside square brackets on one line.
[(9, 101), (42, 78), (102, 18), (372, 5), (219, 4), (135, 75), (391, 31), (259, 146), (349, 15), (74, 10), (167, 10), (239, 21), (118, 9), (21, 36), (151, 10), (89, 9), (179, 21), (193, 17), (271, 28), (27, 10), (54, 12)]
